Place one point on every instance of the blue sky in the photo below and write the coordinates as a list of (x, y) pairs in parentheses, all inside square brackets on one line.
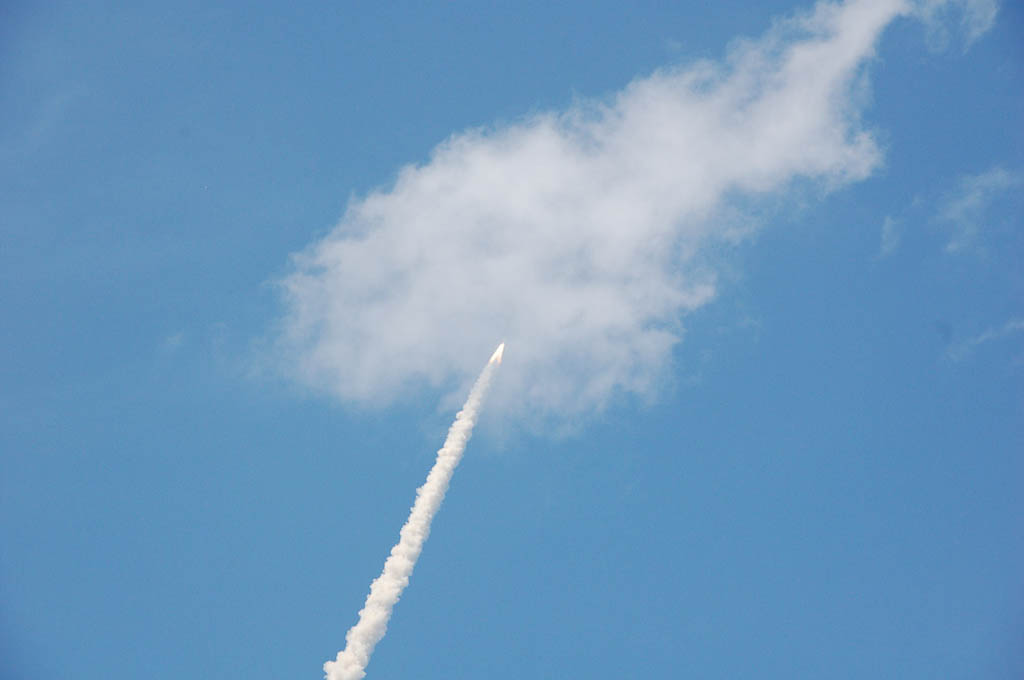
[(761, 412)]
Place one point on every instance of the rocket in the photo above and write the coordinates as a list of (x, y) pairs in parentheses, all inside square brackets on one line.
[(496, 357)]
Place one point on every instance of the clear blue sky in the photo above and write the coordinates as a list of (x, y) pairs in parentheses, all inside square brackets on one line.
[(820, 478)]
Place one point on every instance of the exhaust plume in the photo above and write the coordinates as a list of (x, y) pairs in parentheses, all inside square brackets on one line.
[(387, 588)]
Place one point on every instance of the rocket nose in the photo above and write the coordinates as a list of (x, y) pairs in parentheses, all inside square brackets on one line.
[(496, 357)]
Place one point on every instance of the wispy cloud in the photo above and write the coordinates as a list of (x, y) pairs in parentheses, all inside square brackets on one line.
[(48, 117), (974, 18), (962, 350), (172, 343), (892, 234), (966, 208), (582, 237)]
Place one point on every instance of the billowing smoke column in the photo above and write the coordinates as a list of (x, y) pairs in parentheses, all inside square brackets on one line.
[(387, 588)]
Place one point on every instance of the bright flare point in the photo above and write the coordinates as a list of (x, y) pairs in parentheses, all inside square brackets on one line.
[(496, 357)]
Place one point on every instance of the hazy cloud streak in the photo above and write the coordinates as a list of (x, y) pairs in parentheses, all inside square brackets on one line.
[(962, 349)]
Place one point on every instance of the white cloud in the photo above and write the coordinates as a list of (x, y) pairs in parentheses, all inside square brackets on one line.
[(582, 238), (965, 209)]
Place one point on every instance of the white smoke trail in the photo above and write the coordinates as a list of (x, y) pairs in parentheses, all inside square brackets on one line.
[(387, 588)]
